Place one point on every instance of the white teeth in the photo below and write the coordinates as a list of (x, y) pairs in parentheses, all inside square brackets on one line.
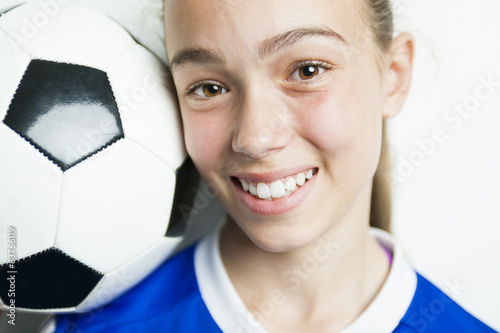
[(277, 189), (301, 179), (244, 183), (290, 184), (263, 191), (252, 189)]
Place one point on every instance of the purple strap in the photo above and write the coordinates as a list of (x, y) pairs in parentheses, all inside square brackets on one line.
[(389, 255)]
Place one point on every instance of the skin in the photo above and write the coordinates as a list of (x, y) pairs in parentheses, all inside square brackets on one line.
[(265, 117)]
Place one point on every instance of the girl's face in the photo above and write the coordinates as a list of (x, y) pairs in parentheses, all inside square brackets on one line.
[(282, 98)]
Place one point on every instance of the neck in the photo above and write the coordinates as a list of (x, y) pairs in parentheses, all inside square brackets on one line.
[(333, 279)]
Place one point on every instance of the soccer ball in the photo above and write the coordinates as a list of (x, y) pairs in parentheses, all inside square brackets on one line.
[(95, 182)]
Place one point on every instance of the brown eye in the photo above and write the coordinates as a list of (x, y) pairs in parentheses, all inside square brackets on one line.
[(211, 90), (207, 89), (308, 72)]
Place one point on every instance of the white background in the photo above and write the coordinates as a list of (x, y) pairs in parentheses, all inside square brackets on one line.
[(447, 205), (447, 212)]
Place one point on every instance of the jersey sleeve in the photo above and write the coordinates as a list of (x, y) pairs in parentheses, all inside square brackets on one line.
[(432, 311)]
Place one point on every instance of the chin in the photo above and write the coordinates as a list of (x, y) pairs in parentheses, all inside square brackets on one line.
[(281, 237)]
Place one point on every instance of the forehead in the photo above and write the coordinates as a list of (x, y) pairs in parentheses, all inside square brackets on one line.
[(242, 24)]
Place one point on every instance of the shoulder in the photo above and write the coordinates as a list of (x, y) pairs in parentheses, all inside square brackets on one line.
[(431, 310), (167, 301)]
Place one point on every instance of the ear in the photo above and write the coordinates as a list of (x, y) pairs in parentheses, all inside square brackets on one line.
[(400, 68)]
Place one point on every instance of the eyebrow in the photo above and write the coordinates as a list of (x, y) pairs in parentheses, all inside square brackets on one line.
[(199, 56), (287, 39), (202, 56)]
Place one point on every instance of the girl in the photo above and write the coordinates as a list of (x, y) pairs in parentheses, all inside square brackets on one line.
[(283, 106)]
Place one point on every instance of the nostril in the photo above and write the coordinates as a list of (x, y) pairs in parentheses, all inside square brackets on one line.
[(256, 135), (258, 145)]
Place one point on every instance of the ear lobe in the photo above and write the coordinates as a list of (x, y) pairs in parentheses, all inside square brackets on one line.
[(400, 61)]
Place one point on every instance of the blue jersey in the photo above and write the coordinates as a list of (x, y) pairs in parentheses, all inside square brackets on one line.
[(191, 292)]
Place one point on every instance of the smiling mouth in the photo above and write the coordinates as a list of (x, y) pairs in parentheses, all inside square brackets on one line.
[(279, 188)]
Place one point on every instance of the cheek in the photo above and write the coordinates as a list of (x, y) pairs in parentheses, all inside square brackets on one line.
[(325, 122), (203, 139), (345, 125)]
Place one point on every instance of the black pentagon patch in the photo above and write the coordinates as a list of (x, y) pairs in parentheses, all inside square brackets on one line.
[(66, 111), (47, 280), (186, 183)]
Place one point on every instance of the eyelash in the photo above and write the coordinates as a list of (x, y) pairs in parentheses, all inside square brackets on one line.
[(312, 63), (297, 66), (192, 88)]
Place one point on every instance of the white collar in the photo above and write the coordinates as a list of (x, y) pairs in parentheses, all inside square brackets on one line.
[(229, 312)]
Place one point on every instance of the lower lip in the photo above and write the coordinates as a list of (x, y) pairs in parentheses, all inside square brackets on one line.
[(277, 206)]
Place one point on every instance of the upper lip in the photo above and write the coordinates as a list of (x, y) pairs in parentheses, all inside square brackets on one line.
[(270, 176)]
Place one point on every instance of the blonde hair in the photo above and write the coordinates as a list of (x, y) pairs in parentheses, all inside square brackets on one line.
[(380, 17), (381, 205)]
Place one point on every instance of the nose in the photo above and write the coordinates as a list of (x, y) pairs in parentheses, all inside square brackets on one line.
[(263, 125)]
